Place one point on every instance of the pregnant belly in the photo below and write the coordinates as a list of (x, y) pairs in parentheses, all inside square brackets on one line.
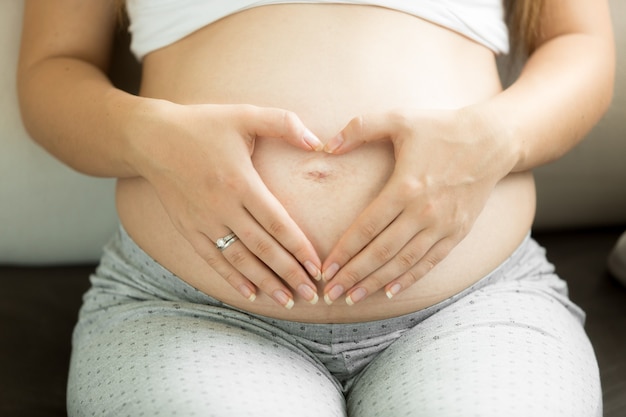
[(323, 193), (328, 64)]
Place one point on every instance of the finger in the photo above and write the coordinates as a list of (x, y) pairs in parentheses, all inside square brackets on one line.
[(362, 271), (402, 263), (243, 261), (238, 256), (264, 250), (206, 249), (261, 257), (281, 124), (265, 208), (370, 223), (364, 129), (427, 263)]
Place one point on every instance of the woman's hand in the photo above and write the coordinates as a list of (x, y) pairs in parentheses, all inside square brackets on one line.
[(198, 159), (447, 164)]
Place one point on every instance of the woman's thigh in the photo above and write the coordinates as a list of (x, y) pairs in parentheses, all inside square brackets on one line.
[(509, 350), (168, 359)]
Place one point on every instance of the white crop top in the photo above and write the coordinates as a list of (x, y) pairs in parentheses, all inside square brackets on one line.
[(157, 23)]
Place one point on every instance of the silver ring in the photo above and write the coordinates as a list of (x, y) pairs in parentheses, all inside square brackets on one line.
[(224, 242)]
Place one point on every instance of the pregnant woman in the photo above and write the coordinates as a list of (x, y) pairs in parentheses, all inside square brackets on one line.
[(325, 206)]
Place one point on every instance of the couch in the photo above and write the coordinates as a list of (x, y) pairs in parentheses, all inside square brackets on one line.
[(53, 223)]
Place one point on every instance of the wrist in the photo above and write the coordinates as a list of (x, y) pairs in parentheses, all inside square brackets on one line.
[(499, 131), (143, 122)]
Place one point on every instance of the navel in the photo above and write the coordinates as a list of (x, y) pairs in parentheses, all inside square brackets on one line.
[(316, 175)]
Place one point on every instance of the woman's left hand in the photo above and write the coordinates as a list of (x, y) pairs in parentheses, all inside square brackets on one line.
[(447, 164)]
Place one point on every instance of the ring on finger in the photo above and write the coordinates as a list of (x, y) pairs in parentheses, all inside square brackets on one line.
[(224, 242)]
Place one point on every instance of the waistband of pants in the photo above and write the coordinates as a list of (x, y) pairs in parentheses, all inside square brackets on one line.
[(136, 269)]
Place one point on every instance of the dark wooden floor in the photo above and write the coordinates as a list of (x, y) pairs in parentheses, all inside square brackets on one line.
[(38, 309)]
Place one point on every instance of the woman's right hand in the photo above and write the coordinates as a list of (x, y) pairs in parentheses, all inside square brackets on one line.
[(198, 159)]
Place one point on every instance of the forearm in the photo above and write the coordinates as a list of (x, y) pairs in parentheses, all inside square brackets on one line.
[(561, 93), (71, 109)]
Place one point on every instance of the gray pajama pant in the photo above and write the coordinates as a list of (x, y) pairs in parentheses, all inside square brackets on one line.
[(148, 344)]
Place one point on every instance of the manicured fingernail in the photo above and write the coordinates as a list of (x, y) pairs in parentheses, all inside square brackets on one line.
[(356, 296), (283, 299), (333, 294), (330, 272), (393, 290), (247, 292), (308, 293), (312, 140), (313, 270), (333, 144)]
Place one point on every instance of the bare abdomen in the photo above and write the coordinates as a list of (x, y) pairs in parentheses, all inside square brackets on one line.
[(328, 64)]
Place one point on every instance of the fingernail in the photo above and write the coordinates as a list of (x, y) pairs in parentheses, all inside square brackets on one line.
[(333, 144), (246, 292), (308, 293), (312, 140), (313, 270), (283, 299), (356, 296), (330, 272), (333, 294), (393, 290)]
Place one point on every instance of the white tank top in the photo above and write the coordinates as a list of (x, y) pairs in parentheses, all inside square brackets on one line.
[(155, 24)]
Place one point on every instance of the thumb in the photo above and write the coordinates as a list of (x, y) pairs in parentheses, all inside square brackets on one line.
[(360, 130), (284, 125)]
